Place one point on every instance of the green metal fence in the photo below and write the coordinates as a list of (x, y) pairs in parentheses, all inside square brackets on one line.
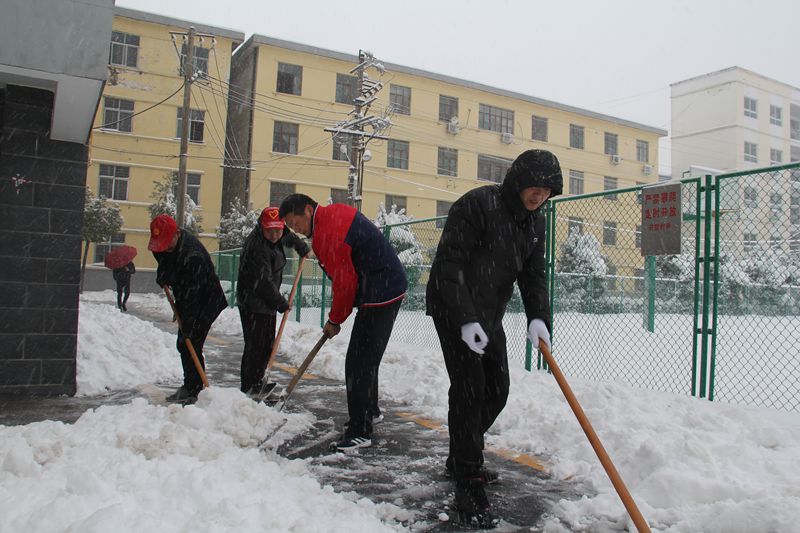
[(720, 320)]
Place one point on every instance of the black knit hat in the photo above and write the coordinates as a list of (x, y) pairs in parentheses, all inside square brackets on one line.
[(535, 168)]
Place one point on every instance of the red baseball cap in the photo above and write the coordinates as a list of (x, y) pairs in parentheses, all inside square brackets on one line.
[(271, 218), (162, 229)]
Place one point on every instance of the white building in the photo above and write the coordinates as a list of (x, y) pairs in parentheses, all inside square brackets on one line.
[(734, 119)]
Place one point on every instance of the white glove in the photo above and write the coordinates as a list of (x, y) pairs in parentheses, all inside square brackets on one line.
[(537, 330), (469, 332)]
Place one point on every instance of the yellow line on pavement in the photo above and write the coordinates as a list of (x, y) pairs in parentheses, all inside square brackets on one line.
[(519, 458), (292, 370)]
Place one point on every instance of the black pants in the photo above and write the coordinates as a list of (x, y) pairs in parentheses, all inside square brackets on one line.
[(478, 393), (123, 288), (371, 331), (191, 377), (258, 330)]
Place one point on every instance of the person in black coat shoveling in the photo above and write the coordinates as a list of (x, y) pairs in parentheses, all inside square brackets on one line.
[(122, 276), (258, 292), (185, 266), (493, 236)]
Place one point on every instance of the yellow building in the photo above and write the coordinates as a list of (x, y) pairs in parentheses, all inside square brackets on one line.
[(136, 131), (448, 135)]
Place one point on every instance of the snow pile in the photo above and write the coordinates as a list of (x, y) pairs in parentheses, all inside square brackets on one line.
[(140, 467)]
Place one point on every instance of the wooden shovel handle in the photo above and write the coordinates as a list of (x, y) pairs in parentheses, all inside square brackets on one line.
[(594, 440), (274, 350), (188, 341)]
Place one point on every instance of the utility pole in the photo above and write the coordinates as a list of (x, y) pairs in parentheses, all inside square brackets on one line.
[(188, 71), (354, 128), (186, 120)]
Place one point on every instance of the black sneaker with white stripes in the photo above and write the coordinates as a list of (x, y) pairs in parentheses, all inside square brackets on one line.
[(351, 443)]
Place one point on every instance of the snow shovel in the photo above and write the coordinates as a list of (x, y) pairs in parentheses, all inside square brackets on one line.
[(300, 371), (186, 338), (605, 460), (265, 389)]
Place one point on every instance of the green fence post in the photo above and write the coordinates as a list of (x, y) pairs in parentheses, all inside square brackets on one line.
[(650, 287), (528, 355), (297, 295), (706, 284)]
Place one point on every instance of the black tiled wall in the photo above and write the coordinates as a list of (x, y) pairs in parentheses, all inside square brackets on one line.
[(40, 246)]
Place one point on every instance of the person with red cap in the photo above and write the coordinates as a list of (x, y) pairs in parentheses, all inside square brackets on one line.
[(258, 293), (185, 266)]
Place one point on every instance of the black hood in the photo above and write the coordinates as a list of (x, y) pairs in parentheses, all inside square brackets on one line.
[(532, 168)]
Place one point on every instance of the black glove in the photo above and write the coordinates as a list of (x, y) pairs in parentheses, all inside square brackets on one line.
[(283, 307)]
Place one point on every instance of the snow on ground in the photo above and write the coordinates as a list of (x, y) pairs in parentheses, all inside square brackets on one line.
[(691, 465)]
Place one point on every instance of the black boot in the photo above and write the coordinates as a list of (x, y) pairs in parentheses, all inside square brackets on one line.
[(184, 395), (472, 505)]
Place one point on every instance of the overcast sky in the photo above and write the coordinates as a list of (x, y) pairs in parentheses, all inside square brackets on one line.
[(616, 56)]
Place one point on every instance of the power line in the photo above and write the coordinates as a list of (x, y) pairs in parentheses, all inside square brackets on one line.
[(139, 112)]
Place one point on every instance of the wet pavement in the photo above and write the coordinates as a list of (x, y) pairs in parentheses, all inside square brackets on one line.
[(404, 466)]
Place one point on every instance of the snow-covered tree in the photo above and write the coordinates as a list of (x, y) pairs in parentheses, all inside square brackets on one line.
[(675, 282), (583, 270), (236, 225), (101, 221), (164, 203), (405, 243)]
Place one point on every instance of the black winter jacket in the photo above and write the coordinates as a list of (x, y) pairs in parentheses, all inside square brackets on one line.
[(188, 270), (261, 271), (122, 275), (489, 241)]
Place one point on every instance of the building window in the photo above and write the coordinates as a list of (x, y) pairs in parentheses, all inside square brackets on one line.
[(398, 201), (794, 122), (750, 197), (102, 248), (192, 186), (609, 184), (397, 154), (574, 225), (609, 233), (400, 99), (642, 151), (611, 141), (637, 239), (114, 182), (794, 208), (539, 129), (339, 196), (448, 107), (284, 138), (124, 49), (575, 136), (118, 114), (750, 107), (342, 147), (442, 209), (495, 119), (775, 156), (492, 168), (776, 115), (346, 89), (751, 152), (448, 162), (199, 61), (279, 191), (290, 79), (196, 124), (611, 278), (575, 182)]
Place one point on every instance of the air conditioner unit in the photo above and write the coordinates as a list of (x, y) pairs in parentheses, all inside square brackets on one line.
[(615, 159), (506, 138), (453, 126), (647, 170)]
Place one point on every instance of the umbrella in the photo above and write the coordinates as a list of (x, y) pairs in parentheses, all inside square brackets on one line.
[(119, 256)]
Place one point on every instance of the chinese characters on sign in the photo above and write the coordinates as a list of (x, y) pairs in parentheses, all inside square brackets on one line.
[(661, 219)]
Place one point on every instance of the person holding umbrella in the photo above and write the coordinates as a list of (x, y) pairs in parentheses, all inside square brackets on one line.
[(258, 292), (120, 261), (185, 266)]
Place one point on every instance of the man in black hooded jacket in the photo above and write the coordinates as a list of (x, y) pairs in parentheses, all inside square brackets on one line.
[(493, 236), (258, 292)]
